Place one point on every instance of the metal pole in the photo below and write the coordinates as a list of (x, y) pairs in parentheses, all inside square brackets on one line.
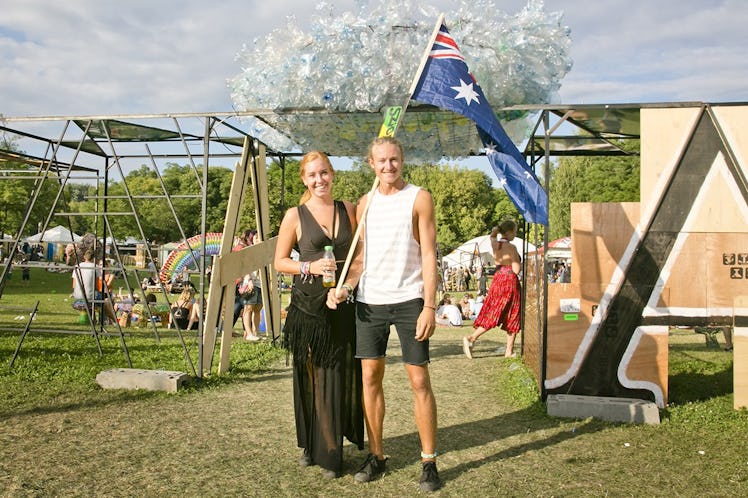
[(546, 174)]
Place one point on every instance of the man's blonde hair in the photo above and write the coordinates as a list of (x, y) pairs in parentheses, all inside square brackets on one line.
[(382, 141)]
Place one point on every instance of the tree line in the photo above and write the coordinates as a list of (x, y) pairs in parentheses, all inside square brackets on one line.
[(467, 205)]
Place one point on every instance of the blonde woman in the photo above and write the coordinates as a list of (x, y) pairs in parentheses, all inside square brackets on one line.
[(181, 309), (326, 375)]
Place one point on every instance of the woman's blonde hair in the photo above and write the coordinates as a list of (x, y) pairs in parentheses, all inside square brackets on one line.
[(187, 293), (310, 156)]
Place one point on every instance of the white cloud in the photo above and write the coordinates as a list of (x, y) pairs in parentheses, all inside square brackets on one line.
[(657, 51), (91, 57)]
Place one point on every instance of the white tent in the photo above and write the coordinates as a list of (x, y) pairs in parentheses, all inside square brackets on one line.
[(468, 254), (55, 235)]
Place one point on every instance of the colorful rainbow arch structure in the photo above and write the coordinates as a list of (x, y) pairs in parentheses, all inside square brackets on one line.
[(182, 256)]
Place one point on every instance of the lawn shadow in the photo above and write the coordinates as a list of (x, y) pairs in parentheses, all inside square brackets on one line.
[(484, 349), (475, 434), (688, 387), (481, 432), (118, 396), (482, 428)]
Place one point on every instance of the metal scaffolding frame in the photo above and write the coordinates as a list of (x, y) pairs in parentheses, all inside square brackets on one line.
[(104, 148)]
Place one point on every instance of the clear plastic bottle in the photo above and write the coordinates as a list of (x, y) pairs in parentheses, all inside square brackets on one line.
[(328, 278)]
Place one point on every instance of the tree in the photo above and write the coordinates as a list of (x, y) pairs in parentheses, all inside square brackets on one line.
[(349, 185), (291, 188), (153, 210), (17, 193), (591, 179), (464, 201), (352, 184), (81, 198)]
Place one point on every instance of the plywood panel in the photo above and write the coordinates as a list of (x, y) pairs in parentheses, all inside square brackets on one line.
[(726, 264), (565, 336), (600, 234), (663, 135), (649, 361), (681, 281), (734, 123), (740, 367), (719, 205)]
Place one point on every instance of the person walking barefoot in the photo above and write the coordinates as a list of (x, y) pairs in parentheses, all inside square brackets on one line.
[(502, 304)]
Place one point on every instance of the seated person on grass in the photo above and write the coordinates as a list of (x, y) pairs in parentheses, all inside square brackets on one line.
[(448, 315), (181, 309)]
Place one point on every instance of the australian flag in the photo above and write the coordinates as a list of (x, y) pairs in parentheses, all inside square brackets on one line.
[(447, 83)]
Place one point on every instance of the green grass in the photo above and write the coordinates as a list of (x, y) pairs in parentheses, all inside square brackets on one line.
[(233, 435), (63, 367)]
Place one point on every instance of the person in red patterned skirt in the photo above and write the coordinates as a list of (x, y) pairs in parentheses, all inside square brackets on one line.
[(502, 304)]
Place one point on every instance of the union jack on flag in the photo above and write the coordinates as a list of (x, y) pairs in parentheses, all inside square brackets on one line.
[(447, 83), (445, 47)]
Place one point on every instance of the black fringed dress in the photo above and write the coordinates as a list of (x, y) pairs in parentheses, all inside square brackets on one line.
[(326, 376)]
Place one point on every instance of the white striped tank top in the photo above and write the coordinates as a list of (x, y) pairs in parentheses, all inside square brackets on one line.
[(392, 257)]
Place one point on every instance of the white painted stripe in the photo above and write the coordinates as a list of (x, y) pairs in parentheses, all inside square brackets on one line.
[(626, 360)]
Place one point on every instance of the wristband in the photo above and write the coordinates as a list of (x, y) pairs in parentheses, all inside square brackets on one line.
[(427, 306), (348, 288), (304, 267)]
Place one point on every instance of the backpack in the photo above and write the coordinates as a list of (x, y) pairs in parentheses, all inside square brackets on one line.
[(181, 313)]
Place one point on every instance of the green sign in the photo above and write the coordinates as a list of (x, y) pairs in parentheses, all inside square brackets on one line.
[(391, 118)]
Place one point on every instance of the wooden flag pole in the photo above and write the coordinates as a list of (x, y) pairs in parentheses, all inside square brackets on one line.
[(392, 119)]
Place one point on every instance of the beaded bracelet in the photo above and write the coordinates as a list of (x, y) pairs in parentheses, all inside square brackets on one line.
[(349, 288), (429, 456), (304, 267)]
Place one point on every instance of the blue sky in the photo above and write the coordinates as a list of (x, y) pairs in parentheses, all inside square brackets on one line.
[(88, 57)]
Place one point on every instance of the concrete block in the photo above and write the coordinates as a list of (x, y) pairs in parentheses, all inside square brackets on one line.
[(134, 378), (612, 409)]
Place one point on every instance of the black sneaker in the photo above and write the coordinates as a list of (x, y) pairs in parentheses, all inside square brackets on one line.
[(430, 478), (371, 469)]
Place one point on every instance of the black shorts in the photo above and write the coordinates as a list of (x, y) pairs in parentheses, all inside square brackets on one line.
[(373, 323)]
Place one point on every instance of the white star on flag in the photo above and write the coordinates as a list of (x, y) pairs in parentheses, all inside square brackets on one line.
[(465, 91), (502, 181)]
